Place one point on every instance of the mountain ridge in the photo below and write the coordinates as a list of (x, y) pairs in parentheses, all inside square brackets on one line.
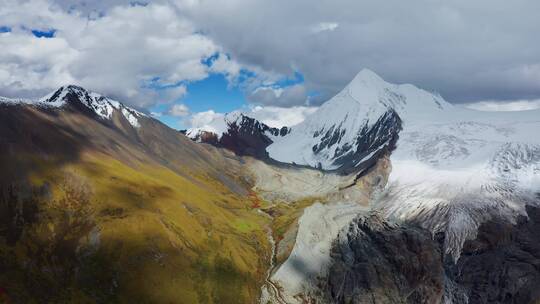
[(241, 134), (451, 171), (95, 210), (349, 118), (99, 104), (446, 171)]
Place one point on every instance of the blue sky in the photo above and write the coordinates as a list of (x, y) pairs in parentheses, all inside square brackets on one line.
[(212, 93), (36, 32), (44, 34), (217, 94), (474, 52)]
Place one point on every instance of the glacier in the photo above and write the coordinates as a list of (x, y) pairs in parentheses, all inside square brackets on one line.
[(452, 168)]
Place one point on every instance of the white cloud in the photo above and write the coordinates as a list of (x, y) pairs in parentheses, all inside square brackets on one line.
[(179, 110), (324, 26), (32, 65), (505, 106), (223, 65), (130, 53), (278, 117), (465, 50), (293, 95), (208, 121), (174, 92)]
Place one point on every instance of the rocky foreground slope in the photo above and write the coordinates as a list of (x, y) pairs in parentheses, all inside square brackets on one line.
[(374, 261)]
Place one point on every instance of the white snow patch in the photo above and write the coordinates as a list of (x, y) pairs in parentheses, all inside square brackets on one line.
[(131, 116), (459, 169)]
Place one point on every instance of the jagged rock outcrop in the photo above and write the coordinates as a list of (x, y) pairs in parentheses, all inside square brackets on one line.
[(378, 262), (371, 144), (248, 136), (205, 137), (502, 265), (241, 134)]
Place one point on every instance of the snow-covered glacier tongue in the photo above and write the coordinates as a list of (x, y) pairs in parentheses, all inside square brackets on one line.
[(451, 173), (452, 169)]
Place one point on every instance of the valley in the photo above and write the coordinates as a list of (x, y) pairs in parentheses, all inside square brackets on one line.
[(384, 200)]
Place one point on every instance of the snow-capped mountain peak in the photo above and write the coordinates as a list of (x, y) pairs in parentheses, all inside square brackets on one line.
[(232, 122), (101, 105), (369, 77), (371, 91), (217, 126), (472, 165), (357, 124), (239, 133)]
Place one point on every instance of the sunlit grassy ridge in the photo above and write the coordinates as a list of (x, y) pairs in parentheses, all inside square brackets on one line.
[(105, 231)]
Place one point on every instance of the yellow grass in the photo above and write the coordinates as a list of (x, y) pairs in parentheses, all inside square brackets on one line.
[(152, 236)]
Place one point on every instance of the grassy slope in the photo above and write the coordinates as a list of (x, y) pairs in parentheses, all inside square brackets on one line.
[(99, 230), (93, 212)]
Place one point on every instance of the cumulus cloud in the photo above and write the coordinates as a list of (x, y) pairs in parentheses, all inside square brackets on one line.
[(505, 106), (465, 50), (138, 54), (279, 96), (222, 64), (208, 121), (179, 110), (173, 92), (277, 117), (32, 66)]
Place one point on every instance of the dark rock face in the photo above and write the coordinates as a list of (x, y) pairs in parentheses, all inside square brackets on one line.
[(502, 265), (376, 262), (245, 136), (76, 98), (371, 143), (248, 136)]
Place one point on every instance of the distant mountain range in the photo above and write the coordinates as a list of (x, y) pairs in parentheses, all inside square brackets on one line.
[(452, 168), (243, 135), (386, 194)]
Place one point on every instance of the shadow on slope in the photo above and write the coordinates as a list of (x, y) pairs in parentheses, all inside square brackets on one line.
[(377, 262), (28, 135), (90, 213)]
